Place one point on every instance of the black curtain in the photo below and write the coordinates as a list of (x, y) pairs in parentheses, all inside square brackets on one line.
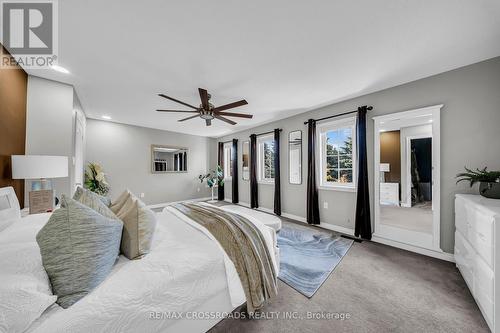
[(220, 189), (277, 176), (362, 226), (254, 198), (312, 190), (234, 166)]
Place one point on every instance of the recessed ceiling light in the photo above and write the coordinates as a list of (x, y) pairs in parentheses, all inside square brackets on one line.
[(60, 69), (106, 117)]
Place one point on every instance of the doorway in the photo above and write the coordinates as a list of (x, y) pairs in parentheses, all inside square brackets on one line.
[(407, 178)]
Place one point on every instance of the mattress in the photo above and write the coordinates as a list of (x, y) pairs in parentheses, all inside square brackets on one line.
[(186, 275)]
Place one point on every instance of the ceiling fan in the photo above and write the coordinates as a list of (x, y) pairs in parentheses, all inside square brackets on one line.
[(207, 111)]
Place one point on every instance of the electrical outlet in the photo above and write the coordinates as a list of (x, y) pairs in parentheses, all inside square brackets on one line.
[(142, 195), (325, 205)]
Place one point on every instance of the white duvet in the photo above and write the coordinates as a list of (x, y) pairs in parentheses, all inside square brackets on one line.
[(186, 271)]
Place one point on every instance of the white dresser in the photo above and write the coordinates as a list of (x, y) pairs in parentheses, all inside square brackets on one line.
[(476, 239), (389, 194)]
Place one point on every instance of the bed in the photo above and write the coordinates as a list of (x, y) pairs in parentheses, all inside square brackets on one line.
[(186, 283)]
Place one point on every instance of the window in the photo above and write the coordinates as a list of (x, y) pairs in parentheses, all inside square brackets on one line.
[(228, 161), (265, 159), (338, 154)]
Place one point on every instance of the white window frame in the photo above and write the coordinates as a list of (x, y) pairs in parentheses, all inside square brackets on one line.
[(260, 159), (322, 129), (228, 151)]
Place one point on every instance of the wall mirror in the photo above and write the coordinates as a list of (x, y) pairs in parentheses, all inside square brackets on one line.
[(295, 157), (168, 159), (246, 160)]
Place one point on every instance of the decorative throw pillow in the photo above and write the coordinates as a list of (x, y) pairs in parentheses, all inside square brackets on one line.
[(139, 223), (79, 247), (120, 201), (91, 199)]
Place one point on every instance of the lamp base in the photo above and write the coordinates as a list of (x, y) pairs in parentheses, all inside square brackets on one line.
[(41, 184), (41, 201)]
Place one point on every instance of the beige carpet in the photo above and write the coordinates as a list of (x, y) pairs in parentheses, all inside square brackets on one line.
[(411, 218)]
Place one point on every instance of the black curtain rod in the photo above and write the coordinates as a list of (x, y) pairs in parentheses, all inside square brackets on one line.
[(340, 114), (267, 132)]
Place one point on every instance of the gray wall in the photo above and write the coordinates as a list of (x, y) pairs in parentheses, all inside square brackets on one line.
[(124, 151), (470, 135), (49, 126)]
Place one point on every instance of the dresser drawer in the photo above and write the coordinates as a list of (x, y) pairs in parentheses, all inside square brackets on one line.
[(483, 249), (461, 217), (483, 225), (464, 257), (484, 278), (486, 306)]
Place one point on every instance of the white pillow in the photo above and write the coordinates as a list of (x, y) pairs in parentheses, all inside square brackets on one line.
[(5, 223), (25, 291), (23, 301)]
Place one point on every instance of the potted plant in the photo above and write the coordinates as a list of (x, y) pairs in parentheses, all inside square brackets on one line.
[(489, 181), (213, 177), (95, 179)]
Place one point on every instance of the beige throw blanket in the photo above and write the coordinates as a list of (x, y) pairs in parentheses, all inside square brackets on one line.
[(244, 245)]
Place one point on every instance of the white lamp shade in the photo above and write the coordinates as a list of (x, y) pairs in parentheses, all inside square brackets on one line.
[(39, 166), (385, 167)]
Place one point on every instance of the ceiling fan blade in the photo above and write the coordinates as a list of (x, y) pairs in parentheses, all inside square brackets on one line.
[(176, 100), (225, 119), (189, 118), (162, 110), (204, 98), (232, 114), (231, 105), (208, 122)]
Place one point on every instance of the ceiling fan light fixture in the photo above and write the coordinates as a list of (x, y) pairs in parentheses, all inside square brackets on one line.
[(206, 115)]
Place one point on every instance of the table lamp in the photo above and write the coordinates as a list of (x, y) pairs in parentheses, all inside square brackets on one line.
[(39, 169), (384, 167)]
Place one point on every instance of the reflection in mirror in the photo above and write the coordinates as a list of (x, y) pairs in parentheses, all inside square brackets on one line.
[(406, 177), (246, 160), (168, 159), (295, 157)]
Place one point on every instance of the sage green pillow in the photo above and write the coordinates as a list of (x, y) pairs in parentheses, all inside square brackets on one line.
[(79, 247)]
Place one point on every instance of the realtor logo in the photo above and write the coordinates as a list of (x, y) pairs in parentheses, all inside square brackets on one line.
[(29, 32)]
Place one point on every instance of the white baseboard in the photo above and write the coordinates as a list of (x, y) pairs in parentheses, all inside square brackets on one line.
[(431, 253), (164, 204)]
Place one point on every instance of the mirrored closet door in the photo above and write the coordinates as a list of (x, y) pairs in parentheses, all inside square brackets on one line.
[(407, 177)]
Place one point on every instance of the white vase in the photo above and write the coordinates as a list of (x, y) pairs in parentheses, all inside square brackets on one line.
[(213, 195)]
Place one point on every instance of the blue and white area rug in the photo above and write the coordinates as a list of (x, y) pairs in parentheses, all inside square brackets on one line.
[(308, 256)]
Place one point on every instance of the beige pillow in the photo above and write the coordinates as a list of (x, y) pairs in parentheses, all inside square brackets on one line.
[(120, 201), (139, 223)]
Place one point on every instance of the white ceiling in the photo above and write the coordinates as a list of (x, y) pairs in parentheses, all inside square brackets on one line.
[(284, 57)]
